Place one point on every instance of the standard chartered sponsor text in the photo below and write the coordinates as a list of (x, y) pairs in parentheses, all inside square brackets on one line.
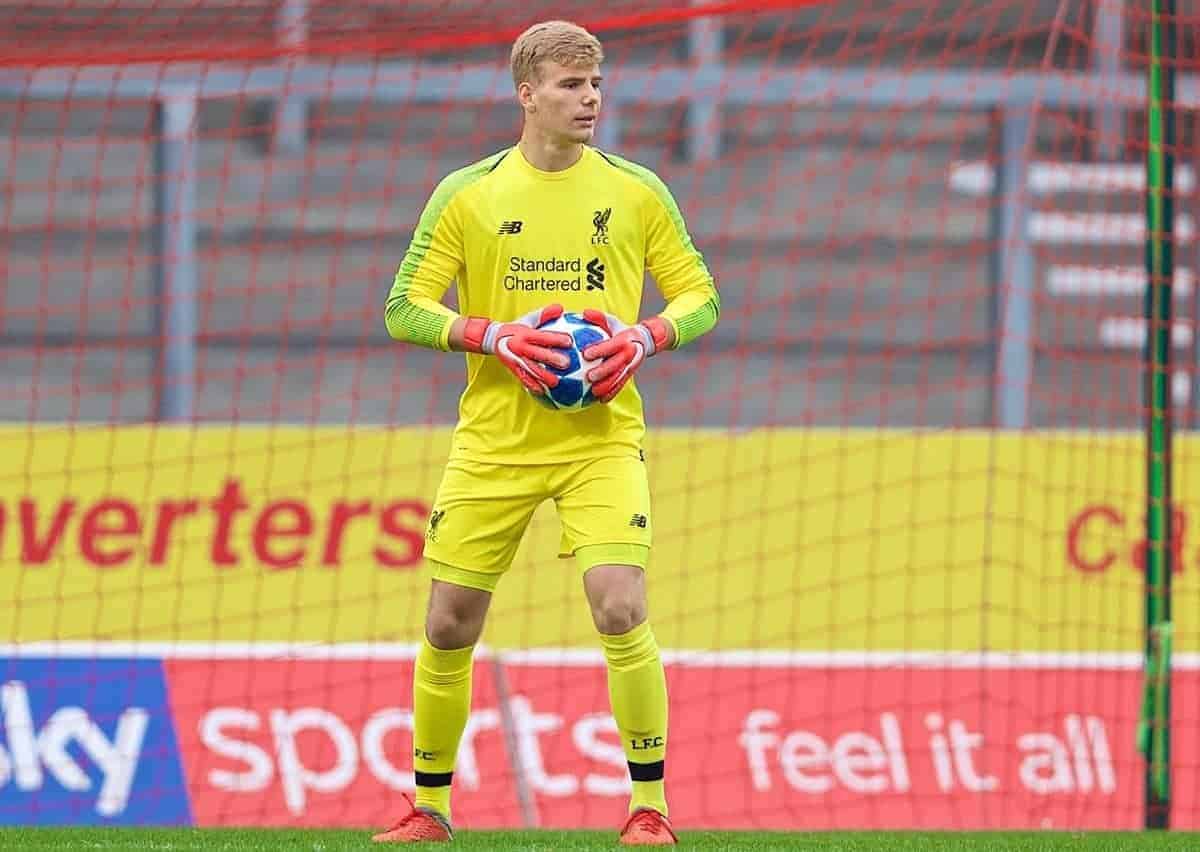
[(523, 274)]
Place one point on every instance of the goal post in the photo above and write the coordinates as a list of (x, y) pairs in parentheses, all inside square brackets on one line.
[(1154, 737)]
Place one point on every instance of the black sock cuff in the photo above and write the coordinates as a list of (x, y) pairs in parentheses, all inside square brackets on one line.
[(434, 779), (646, 771)]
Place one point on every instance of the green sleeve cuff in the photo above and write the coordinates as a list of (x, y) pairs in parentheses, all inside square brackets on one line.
[(693, 314), (412, 322)]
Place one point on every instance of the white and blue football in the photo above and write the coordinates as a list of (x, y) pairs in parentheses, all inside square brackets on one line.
[(574, 391)]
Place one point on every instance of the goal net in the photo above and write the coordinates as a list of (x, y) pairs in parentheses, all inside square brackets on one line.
[(898, 491)]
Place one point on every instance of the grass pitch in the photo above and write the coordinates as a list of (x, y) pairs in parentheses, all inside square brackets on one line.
[(235, 840)]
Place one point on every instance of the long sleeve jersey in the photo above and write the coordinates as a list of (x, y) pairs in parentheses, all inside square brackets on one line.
[(516, 238)]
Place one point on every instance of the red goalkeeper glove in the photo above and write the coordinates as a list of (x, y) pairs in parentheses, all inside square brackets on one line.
[(625, 350), (524, 350)]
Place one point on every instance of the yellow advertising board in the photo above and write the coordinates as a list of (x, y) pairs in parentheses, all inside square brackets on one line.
[(774, 539)]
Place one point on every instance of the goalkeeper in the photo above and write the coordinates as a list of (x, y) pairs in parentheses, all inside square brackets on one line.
[(518, 231)]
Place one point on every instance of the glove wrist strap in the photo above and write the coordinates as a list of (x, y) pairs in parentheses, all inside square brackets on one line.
[(656, 327), (475, 335)]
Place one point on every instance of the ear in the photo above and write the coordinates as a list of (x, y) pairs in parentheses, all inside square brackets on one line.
[(525, 96)]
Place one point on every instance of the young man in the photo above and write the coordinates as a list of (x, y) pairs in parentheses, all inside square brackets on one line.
[(550, 220)]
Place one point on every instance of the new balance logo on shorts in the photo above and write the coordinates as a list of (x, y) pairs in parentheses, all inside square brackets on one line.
[(638, 521), (510, 226)]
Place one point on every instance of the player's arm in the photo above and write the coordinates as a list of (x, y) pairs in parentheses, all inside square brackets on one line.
[(414, 312), (693, 304)]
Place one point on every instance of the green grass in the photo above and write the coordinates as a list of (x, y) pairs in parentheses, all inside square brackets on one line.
[(184, 839)]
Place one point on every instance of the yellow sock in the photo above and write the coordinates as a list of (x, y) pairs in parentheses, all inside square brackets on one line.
[(441, 704), (637, 688)]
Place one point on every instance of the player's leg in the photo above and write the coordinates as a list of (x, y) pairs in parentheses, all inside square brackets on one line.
[(637, 685), (604, 507), (478, 518), (442, 687)]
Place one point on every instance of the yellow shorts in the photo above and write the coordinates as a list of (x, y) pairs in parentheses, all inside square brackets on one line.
[(482, 509)]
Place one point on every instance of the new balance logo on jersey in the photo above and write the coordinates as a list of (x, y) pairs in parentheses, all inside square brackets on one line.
[(638, 521), (600, 221), (510, 226), (595, 274)]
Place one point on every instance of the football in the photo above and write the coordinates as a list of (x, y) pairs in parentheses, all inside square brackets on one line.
[(574, 391)]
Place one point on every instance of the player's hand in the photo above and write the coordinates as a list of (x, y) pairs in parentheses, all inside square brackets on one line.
[(521, 347), (626, 349)]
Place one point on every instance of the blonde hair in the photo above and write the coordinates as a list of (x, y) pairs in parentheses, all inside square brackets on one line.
[(559, 41)]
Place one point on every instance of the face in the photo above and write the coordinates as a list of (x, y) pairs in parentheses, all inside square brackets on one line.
[(564, 102)]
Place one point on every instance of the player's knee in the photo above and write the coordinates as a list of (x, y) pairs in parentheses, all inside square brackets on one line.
[(455, 615), (448, 629), (618, 611), (449, 626)]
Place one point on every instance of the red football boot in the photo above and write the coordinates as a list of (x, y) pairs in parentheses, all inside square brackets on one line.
[(647, 827), (417, 826)]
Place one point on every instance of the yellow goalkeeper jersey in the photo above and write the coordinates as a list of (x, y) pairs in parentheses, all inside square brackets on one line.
[(516, 238)]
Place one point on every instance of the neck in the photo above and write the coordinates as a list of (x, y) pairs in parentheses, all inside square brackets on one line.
[(549, 155)]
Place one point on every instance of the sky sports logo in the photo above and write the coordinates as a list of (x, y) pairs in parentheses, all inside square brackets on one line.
[(269, 741), (88, 742), (313, 752), (286, 752), (553, 275)]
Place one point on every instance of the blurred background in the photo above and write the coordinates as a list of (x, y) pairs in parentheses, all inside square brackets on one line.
[(849, 171)]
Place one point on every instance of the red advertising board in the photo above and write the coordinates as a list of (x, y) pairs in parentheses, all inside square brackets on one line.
[(307, 742)]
